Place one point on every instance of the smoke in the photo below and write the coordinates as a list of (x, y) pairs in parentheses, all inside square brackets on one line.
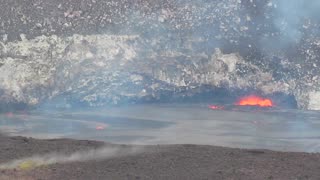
[(173, 37), (285, 23), (52, 158)]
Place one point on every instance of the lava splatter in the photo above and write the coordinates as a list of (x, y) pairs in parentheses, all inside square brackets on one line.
[(215, 107)]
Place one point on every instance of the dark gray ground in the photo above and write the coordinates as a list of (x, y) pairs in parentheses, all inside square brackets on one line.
[(160, 162)]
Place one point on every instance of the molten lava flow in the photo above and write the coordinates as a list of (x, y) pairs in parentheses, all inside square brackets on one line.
[(254, 101)]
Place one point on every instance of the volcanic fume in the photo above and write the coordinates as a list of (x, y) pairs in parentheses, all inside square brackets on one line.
[(97, 53)]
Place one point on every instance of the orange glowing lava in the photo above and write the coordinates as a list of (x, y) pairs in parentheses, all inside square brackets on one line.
[(255, 101)]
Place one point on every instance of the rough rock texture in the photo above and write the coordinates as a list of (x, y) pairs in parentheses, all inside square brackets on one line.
[(108, 52), (154, 162)]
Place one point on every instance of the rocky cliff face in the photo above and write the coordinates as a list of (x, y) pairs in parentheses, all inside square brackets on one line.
[(98, 52)]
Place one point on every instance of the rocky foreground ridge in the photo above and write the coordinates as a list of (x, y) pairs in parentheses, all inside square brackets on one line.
[(97, 53)]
